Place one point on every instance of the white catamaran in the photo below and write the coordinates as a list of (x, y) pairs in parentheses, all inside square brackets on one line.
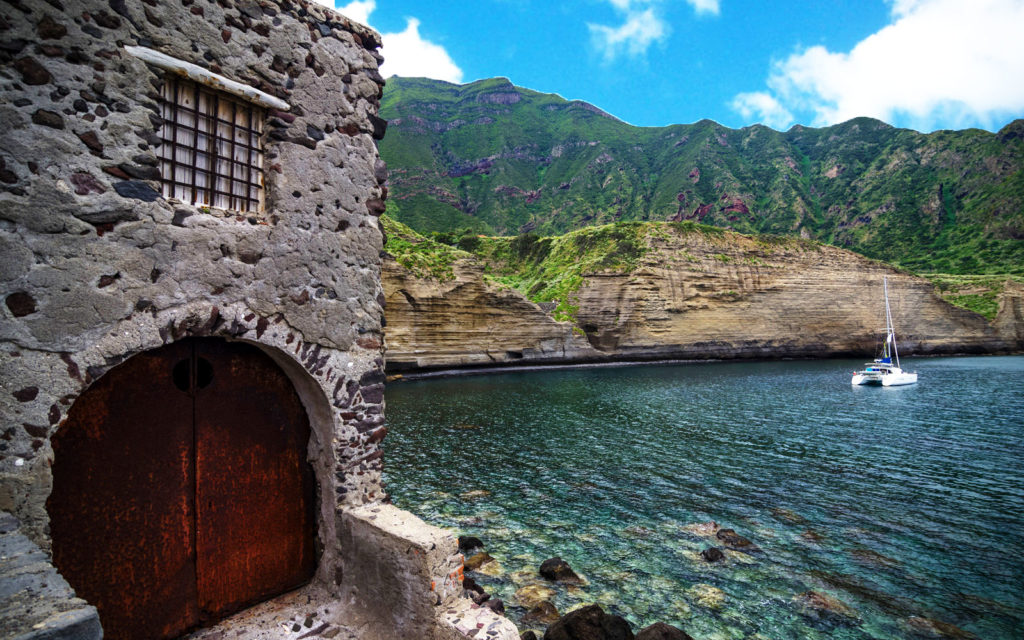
[(883, 371)]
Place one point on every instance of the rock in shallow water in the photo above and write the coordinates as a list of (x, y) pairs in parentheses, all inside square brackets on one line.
[(589, 623), (788, 515), (467, 543), (712, 554), (476, 561), (707, 596), (662, 631), (735, 540), (820, 606), (542, 613), (938, 629), (705, 529), (533, 594), (558, 570)]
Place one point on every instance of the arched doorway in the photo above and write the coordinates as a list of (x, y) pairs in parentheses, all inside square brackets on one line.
[(181, 489)]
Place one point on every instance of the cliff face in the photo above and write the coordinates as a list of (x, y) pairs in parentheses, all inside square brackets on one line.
[(691, 295), (467, 321)]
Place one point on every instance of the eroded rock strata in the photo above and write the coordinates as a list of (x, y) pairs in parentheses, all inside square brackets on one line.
[(468, 321), (692, 295)]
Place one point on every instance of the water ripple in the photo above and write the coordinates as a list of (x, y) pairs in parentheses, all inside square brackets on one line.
[(898, 502)]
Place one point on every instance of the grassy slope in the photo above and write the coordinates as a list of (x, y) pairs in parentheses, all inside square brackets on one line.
[(978, 293), (491, 158), (420, 256)]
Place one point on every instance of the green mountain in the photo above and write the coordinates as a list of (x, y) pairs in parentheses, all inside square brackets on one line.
[(492, 158)]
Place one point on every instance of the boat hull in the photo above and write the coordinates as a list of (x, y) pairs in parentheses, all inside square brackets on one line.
[(891, 379)]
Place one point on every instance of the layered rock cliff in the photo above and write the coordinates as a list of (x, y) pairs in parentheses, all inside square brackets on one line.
[(691, 294), (468, 321)]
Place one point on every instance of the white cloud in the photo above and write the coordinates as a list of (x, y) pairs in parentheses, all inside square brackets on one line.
[(764, 108), (408, 54), (705, 6), (939, 63), (640, 30), (358, 10), (405, 53), (643, 25)]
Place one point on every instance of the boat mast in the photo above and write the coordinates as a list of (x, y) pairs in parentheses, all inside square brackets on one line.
[(890, 334)]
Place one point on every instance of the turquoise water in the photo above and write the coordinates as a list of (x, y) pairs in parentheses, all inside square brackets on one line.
[(901, 503)]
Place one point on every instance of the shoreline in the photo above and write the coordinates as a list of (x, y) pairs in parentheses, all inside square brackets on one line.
[(454, 372)]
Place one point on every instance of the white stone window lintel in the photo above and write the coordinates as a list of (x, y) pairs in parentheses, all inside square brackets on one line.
[(208, 78)]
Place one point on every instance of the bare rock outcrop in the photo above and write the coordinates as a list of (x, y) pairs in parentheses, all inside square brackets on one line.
[(468, 321), (734, 296)]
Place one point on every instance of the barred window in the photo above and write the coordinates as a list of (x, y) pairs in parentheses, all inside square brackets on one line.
[(212, 152)]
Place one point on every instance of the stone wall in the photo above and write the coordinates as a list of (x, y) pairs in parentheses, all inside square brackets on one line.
[(97, 266)]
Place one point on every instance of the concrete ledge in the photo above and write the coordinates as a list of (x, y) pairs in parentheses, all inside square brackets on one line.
[(407, 576), (36, 603)]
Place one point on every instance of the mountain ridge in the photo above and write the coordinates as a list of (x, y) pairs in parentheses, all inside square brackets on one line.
[(490, 157)]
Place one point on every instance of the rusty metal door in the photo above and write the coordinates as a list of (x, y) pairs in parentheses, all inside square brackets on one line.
[(254, 486), (181, 490)]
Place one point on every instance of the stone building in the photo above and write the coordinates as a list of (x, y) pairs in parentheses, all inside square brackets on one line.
[(191, 343)]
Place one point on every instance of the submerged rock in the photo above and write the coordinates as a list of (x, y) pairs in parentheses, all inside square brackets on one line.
[(873, 558), (476, 494), (492, 568), (937, 629), (476, 561), (820, 606), (589, 623), (739, 556), (542, 613), (662, 631), (707, 596), (558, 570), (533, 594), (735, 540), (704, 529), (712, 554), (788, 515)]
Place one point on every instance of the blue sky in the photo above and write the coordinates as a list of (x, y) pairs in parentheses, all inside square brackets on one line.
[(922, 64)]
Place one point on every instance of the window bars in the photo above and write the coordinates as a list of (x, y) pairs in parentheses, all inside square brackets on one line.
[(212, 154)]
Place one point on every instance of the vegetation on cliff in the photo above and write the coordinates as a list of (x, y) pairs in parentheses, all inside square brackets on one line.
[(420, 256), (551, 269), (977, 293), (497, 159)]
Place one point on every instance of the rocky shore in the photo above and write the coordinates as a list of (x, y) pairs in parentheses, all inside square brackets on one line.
[(588, 622), (533, 603)]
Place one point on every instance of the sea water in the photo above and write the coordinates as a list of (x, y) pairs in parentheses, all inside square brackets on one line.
[(904, 504)]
